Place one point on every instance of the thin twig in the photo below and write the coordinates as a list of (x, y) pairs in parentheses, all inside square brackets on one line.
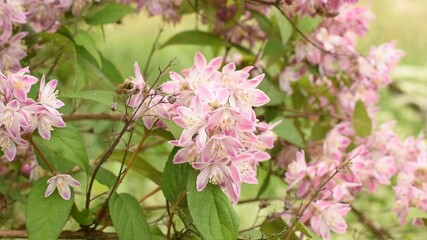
[(172, 214), (93, 116), (128, 123), (64, 235), (379, 232), (153, 49), (41, 155), (150, 194)]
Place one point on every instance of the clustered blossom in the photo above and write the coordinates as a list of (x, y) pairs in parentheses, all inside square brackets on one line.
[(221, 136), (378, 157), (41, 15), (21, 115), (226, 16), (327, 8), (168, 9), (223, 22)]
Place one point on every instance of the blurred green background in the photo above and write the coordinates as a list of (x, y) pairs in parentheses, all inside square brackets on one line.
[(402, 21)]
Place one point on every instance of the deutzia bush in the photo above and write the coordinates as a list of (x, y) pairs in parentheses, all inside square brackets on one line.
[(283, 118)]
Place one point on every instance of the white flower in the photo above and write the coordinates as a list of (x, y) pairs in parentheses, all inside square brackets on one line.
[(63, 183)]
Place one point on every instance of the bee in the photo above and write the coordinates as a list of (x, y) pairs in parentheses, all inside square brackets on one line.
[(326, 13), (194, 136), (171, 99), (126, 87)]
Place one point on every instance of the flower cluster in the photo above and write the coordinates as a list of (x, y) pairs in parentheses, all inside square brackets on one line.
[(226, 16), (411, 160), (21, 115), (41, 15), (376, 158), (167, 9), (327, 8), (221, 137)]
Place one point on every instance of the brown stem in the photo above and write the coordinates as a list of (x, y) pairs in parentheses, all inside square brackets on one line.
[(305, 206), (379, 232), (64, 235), (93, 116), (41, 156), (150, 194), (153, 49), (132, 158), (172, 214)]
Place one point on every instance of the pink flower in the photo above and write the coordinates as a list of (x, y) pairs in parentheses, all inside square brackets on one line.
[(13, 118), (10, 12), (246, 95), (193, 121), (201, 71), (296, 170), (219, 147), (330, 41), (220, 136), (242, 170), (216, 173), (139, 88), (21, 115), (188, 154), (230, 120), (299, 174), (62, 182), (21, 83), (8, 145), (48, 95), (326, 216), (43, 120)]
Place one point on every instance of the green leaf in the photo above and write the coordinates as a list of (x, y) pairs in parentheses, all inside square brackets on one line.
[(308, 23), (252, 235), (85, 40), (46, 216), (156, 233), (187, 7), (13, 194), (265, 183), (361, 121), (318, 132), (284, 26), (128, 219), (105, 177), (274, 47), (271, 227), (174, 128), (100, 96), (416, 213), (194, 37), (163, 133), (84, 217), (289, 132), (64, 149), (110, 13), (175, 178), (139, 165), (262, 20), (306, 231), (199, 38), (212, 212), (276, 96), (110, 71)]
